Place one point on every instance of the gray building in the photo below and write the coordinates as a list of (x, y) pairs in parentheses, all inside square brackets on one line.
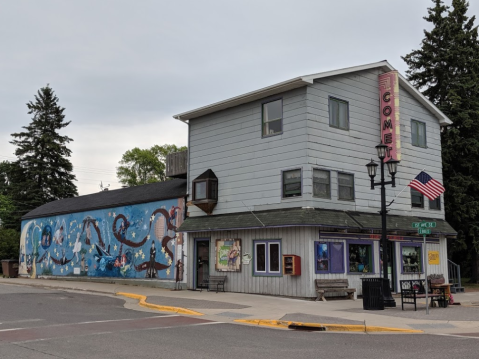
[(278, 175)]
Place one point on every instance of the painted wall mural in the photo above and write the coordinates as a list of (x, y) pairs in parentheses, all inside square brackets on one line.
[(137, 241)]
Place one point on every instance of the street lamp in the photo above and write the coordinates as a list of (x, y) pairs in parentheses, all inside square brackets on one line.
[(372, 169)]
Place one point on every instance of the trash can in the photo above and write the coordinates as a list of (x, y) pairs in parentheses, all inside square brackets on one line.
[(373, 298), (10, 268)]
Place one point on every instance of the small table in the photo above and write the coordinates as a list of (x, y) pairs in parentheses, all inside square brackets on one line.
[(446, 287)]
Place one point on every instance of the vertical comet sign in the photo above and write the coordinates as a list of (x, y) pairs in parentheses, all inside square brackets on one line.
[(389, 114)]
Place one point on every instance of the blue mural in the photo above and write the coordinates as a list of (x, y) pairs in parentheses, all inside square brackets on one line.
[(137, 241)]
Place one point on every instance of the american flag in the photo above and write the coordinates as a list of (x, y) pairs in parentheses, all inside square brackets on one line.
[(426, 185)]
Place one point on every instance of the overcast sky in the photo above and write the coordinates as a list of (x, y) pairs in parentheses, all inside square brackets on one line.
[(122, 69)]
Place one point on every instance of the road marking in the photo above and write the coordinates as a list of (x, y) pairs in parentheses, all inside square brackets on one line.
[(459, 336), (86, 328), (21, 321), (93, 322), (122, 320)]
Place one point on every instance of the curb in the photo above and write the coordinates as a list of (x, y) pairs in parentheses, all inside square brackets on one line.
[(327, 327), (162, 308)]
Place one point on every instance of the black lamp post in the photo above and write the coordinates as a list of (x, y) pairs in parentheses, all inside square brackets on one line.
[(372, 168)]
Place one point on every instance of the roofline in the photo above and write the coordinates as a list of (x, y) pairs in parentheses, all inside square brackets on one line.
[(57, 213), (306, 80)]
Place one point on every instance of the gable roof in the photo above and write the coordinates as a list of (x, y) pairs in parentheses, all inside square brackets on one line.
[(175, 188), (309, 79)]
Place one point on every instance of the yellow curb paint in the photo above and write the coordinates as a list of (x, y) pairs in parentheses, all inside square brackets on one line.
[(162, 308), (328, 327)]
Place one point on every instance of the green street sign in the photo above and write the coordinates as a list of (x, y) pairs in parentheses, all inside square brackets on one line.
[(423, 231), (424, 225)]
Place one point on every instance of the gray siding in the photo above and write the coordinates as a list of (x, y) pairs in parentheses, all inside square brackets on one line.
[(298, 241), (248, 166), (349, 151)]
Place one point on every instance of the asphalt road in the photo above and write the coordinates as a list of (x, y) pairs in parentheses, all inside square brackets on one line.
[(42, 323)]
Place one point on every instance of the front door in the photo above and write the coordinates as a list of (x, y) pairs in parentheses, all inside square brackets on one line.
[(202, 263)]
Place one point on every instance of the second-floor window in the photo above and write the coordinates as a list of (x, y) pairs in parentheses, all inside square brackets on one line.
[(346, 186), (200, 190), (321, 183), (273, 117), (417, 199), (338, 113), (292, 183), (418, 133), (435, 204)]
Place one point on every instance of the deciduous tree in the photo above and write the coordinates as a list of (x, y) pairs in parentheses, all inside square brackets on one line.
[(142, 166)]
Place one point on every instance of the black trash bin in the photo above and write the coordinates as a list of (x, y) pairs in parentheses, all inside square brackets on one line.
[(373, 298), (10, 268)]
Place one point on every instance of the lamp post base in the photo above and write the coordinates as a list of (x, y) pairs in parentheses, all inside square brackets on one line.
[(389, 301)]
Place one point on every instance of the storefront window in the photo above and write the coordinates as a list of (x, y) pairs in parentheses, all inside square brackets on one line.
[(360, 257), (411, 258), (329, 257), (267, 257)]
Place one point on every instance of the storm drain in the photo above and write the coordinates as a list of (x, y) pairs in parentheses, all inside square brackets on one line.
[(306, 328)]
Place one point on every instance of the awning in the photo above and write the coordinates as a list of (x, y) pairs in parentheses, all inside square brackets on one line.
[(310, 217)]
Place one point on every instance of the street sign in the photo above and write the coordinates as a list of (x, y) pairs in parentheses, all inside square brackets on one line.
[(423, 231), (424, 225)]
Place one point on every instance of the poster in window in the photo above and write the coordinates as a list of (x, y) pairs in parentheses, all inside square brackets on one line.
[(228, 255)]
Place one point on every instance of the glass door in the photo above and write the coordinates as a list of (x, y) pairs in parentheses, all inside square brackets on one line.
[(202, 263)]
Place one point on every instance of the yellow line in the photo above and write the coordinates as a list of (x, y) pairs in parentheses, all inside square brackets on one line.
[(162, 308), (328, 327)]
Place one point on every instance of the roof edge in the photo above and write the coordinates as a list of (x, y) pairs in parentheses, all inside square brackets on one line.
[(244, 98), (58, 213), (309, 79)]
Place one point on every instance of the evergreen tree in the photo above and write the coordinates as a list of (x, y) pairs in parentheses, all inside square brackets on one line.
[(42, 172), (446, 69)]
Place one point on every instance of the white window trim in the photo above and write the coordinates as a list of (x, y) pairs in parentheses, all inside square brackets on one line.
[(279, 257)]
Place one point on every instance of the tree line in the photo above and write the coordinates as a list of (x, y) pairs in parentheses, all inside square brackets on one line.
[(43, 172)]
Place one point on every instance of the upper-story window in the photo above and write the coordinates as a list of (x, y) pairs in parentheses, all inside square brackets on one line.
[(346, 186), (292, 183), (418, 133), (435, 204), (338, 113), (273, 117), (321, 183), (200, 190), (205, 191), (417, 199)]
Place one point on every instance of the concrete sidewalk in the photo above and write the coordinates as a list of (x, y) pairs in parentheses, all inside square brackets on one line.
[(228, 307)]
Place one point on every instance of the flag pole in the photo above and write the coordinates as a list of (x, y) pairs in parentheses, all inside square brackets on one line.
[(390, 203)]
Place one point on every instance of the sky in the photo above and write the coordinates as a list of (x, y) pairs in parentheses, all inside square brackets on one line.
[(122, 69)]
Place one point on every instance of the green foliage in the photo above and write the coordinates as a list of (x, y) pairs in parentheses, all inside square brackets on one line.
[(9, 243), (446, 69), (138, 166), (7, 210), (42, 172)]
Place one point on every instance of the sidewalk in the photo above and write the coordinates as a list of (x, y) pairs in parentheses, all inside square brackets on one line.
[(228, 307)]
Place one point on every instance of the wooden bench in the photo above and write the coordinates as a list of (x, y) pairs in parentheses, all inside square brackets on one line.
[(215, 280), (333, 286), (412, 289)]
